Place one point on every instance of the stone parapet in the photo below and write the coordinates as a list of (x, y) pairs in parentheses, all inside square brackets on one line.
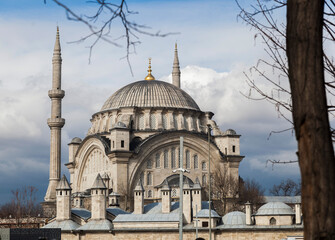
[(56, 93), (56, 122)]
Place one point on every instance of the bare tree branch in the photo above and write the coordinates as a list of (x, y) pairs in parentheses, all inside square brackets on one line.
[(107, 14)]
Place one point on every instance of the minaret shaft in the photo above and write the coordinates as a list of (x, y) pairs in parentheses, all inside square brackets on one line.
[(176, 69), (56, 122), (55, 152)]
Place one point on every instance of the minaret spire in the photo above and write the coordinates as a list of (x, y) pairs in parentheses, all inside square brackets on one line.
[(176, 69), (55, 123)]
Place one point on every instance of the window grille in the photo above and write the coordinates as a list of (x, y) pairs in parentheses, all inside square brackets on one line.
[(188, 160), (185, 123), (173, 158), (203, 166), (204, 180), (149, 178), (196, 161), (152, 121), (158, 162), (164, 119), (166, 159), (149, 164), (141, 121)]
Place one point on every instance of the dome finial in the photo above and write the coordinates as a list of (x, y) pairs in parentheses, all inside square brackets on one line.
[(149, 77)]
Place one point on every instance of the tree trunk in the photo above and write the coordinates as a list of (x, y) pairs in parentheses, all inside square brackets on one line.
[(310, 116)]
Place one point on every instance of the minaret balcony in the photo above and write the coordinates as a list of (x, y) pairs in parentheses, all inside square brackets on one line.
[(56, 93), (56, 122)]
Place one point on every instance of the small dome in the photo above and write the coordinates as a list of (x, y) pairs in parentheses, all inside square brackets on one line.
[(230, 132), (234, 218), (275, 208), (150, 94), (76, 140)]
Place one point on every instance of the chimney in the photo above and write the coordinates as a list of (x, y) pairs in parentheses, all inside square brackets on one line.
[(139, 198), (98, 197), (248, 213), (196, 197), (297, 213), (166, 197), (63, 191), (187, 201)]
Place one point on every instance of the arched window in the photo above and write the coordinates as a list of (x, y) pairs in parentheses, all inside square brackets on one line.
[(175, 125), (149, 194), (204, 180), (234, 148), (158, 161), (166, 159), (203, 166), (149, 164), (196, 161), (174, 193), (194, 121), (188, 159), (152, 121), (149, 178), (185, 123), (164, 121), (111, 122), (141, 121), (173, 158), (273, 221)]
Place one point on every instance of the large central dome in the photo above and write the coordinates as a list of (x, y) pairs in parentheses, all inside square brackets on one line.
[(147, 94)]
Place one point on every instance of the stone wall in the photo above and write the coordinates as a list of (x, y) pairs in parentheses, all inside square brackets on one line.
[(264, 234)]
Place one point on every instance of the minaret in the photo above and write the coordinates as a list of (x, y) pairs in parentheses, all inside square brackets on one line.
[(55, 123), (176, 69)]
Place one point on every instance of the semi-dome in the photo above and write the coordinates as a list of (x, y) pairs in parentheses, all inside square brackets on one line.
[(147, 94), (234, 218), (275, 208)]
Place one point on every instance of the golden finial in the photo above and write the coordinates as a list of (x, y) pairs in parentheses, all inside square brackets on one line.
[(149, 77)]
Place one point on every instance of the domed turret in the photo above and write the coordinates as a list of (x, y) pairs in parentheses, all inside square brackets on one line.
[(234, 218), (275, 208)]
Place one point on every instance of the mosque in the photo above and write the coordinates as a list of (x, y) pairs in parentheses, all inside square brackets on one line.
[(124, 174)]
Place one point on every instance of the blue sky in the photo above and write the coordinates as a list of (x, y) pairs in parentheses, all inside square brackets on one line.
[(214, 50)]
